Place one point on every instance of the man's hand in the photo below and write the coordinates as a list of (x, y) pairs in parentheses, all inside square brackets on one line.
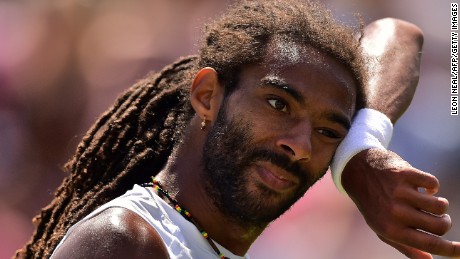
[(385, 187), (398, 204)]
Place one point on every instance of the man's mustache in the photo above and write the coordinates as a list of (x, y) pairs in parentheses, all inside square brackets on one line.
[(280, 160)]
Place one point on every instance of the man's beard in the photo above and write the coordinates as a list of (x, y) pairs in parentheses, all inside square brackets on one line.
[(228, 154)]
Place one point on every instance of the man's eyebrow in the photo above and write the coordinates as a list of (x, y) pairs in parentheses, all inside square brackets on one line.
[(279, 84), (338, 118)]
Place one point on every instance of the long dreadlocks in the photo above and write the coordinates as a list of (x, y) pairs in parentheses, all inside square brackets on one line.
[(134, 138)]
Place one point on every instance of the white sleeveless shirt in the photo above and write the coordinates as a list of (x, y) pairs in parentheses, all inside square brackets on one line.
[(181, 238)]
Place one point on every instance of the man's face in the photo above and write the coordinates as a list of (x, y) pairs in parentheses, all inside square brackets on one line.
[(275, 135)]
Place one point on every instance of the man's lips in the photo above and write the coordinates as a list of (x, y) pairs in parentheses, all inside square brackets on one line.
[(275, 178)]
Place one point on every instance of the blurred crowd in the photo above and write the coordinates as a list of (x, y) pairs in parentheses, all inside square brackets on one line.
[(62, 63)]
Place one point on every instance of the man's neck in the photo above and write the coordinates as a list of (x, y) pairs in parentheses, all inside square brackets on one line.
[(182, 179)]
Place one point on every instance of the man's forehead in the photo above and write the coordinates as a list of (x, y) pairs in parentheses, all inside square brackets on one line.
[(284, 52), (293, 65), (288, 51)]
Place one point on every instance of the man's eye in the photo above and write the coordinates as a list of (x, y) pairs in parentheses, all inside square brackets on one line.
[(278, 104), (329, 133)]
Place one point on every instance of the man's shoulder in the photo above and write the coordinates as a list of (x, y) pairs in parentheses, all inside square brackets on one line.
[(113, 233)]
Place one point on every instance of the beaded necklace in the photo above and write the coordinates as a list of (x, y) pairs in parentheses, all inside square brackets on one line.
[(157, 186)]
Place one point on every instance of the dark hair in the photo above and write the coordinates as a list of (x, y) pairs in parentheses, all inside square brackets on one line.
[(242, 35), (134, 138)]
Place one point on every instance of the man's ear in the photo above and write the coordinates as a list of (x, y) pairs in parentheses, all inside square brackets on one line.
[(206, 94)]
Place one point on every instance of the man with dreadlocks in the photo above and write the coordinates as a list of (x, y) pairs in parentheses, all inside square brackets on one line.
[(235, 136)]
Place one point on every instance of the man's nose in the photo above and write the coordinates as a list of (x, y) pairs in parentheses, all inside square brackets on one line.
[(296, 142)]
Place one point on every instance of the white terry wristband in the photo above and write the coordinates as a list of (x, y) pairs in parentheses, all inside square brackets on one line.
[(370, 129)]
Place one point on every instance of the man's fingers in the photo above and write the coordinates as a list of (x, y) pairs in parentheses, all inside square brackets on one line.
[(429, 243), (416, 219), (438, 225), (402, 216), (420, 179), (424, 201), (408, 251)]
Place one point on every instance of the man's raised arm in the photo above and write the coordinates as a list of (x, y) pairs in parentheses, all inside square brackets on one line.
[(385, 188)]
